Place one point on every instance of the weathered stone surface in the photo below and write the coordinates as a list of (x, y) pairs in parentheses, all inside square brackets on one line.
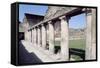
[(64, 39), (91, 35), (51, 37), (38, 36), (43, 36), (55, 11), (34, 36)]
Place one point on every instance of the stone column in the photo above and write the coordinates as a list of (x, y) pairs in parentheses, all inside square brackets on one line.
[(25, 35), (43, 36), (93, 34), (51, 37), (64, 39), (34, 36), (90, 35), (29, 34), (38, 36)]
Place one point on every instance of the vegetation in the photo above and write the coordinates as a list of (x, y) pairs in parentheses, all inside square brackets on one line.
[(78, 44), (76, 48)]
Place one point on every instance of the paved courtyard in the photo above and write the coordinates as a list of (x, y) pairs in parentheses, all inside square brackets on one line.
[(28, 53)]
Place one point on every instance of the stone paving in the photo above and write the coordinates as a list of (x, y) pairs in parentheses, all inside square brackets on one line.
[(42, 54)]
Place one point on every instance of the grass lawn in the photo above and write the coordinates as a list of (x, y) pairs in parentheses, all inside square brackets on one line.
[(80, 44), (77, 46)]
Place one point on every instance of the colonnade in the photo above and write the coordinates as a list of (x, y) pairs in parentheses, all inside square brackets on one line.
[(37, 35)]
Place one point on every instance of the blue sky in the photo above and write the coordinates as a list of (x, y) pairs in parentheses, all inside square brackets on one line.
[(78, 21), (32, 9)]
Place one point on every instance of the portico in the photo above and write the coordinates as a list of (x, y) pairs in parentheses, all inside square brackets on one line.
[(37, 33)]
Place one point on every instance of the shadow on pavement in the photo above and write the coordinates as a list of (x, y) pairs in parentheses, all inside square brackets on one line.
[(27, 58)]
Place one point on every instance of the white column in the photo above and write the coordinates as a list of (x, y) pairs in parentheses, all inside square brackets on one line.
[(90, 35), (28, 36), (25, 35), (43, 36), (51, 37), (29, 33), (93, 34), (34, 36), (64, 39), (38, 36)]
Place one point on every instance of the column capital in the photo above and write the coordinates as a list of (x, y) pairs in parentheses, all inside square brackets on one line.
[(49, 22), (88, 11), (38, 26), (64, 17), (42, 24)]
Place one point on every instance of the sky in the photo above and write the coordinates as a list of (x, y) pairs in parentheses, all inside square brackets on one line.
[(76, 22), (32, 9)]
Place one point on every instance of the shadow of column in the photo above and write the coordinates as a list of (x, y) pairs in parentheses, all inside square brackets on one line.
[(25, 57)]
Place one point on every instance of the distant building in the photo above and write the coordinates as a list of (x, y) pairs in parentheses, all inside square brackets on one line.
[(28, 21), (31, 19)]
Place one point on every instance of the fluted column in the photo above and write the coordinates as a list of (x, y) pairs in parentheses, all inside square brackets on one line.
[(64, 38), (90, 34), (51, 37), (38, 36), (43, 36)]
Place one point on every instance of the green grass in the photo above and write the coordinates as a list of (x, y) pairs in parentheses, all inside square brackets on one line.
[(80, 44), (77, 44)]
